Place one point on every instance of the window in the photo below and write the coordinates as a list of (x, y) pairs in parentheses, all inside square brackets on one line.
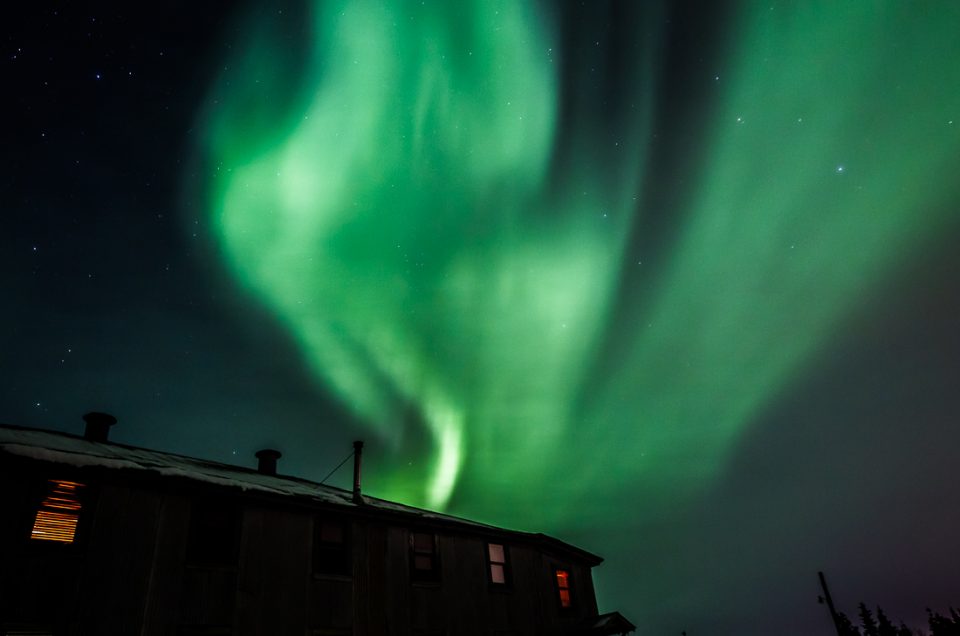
[(214, 537), (497, 557), (424, 564), (331, 548), (59, 513), (563, 588)]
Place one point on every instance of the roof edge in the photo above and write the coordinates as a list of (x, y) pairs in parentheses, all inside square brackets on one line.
[(381, 506)]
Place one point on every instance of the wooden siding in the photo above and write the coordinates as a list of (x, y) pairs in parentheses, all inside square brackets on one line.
[(128, 574)]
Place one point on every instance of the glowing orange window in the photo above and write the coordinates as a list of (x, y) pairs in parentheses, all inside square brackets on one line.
[(58, 514), (563, 587)]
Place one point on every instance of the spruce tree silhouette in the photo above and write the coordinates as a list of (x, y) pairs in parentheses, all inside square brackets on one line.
[(845, 626), (941, 625), (869, 626), (938, 624)]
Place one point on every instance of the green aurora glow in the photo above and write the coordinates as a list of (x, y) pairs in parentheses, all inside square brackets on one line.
[(399, 188)]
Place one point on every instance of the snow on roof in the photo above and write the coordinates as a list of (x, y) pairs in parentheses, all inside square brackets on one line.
[(608, 624), (71, 450)]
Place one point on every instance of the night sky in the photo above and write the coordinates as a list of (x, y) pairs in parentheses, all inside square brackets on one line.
[(676, 282)]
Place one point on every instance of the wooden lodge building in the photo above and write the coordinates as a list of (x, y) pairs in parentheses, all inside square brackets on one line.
[(99, 538)]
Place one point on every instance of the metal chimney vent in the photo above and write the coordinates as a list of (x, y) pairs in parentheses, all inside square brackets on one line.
[(268, 461), (98, 426)]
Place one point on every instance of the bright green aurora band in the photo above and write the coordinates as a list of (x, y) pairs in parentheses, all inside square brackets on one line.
[(393, 180)]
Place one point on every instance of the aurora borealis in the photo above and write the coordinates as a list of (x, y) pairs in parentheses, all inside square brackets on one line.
[(675, 281), (406, 231), (402, 214)]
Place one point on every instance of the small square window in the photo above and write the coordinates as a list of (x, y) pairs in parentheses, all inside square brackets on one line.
[(331, 532), (332, 552), (497, 561), (424, 564), (422, 542)]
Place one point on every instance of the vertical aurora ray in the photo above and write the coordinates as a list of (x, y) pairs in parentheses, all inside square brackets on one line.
[(832, 139), (825, 170), (395, 198), (403, 227)]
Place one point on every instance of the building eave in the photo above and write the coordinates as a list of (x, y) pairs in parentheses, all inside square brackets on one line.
[(65, 449)]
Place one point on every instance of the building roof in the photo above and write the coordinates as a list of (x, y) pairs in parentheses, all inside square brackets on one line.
[(608, 625), (73, 450)]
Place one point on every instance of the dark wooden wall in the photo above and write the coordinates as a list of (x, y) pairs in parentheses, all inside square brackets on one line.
[(128, 572)]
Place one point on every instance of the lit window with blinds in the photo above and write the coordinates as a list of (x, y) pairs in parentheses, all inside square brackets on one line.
[(59, 513)]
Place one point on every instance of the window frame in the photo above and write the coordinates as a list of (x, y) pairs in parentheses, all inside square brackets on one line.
[(561, 589), (418, 575), (34, 504), (505, 564), (342, 549), (51, 517)]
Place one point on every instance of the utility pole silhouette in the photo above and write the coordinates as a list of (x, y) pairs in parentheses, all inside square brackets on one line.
[(829, 601)]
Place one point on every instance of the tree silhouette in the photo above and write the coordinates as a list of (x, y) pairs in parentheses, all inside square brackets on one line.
[(866, 621), (941, 625), (938, 624), (845, 626)]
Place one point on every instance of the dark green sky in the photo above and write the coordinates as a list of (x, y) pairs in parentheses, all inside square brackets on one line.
[(675, 282)]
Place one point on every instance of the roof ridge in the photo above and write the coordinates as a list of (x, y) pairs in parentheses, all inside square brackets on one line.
[(205, 470)]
